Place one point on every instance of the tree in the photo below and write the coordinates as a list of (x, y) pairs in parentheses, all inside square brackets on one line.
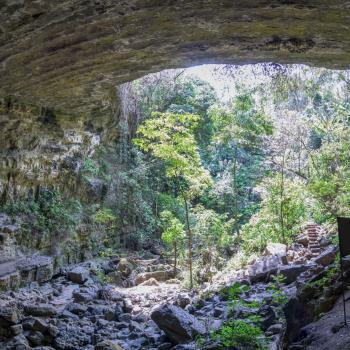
[(212, 233), (173, 233), (241, 128), (170, 138), (265, 225)]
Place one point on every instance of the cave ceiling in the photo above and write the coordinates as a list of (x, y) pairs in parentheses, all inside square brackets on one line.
[(69, 55)]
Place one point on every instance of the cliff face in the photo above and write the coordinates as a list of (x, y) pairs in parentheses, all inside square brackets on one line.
[(38, 147)]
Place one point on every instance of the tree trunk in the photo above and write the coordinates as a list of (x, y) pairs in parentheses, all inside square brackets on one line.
[(281, 200), (235, 192), (189, 234), (175, 259)]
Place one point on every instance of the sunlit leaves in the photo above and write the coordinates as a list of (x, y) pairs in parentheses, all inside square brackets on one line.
[(170, 137)]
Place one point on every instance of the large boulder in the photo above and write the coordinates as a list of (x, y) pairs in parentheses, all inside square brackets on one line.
[(177, 324), (35, 268), (78, 275), (160, 276), (326, 258), (303, 239), (108, 345), (40, 310), (292, 272), (262, 269), (125, 267), (278, 249), (9, 315)]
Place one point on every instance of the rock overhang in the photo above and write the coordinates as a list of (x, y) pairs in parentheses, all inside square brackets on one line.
[(69, 55)]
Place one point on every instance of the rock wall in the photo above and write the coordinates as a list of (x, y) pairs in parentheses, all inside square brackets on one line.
[(41, 148)]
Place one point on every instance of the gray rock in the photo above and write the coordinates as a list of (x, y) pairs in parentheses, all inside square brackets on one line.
[(268, 315), (78, 275), (16, 329), (177, 324), (278, 249), (326, 258), (275, 328), (292, 272), (80, 297), (183, 300), (19, 342), (40, 310), (125, 317), (77, 309), (262, 270), (35, 337), (160, 276), (10, 315), (108, 345), (35, 324), (303, 240)]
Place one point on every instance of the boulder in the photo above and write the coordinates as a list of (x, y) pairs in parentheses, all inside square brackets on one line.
[(326, 258), (108, 345), (35, 324), (177, 324), (150, 282), (18, 342), (183, 300), (268, 316), (160, 276), (35, 268), (275, 328), (76, 309), (303, 240), (278, 249), (125, 267), (116, 277), (262, 269), (40, 310), (78, 275), (9, 315), (82, 297), (292, 272)]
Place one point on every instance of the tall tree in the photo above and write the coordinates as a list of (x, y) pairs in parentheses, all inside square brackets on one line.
[(240, 128), (170, 138)]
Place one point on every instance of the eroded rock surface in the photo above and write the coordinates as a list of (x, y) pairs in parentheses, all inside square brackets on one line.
[(68, 54)]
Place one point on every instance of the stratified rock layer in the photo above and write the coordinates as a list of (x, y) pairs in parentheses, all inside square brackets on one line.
[(68, 54)]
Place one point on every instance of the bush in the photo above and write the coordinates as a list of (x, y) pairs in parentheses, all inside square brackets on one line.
[(280, 216), (241, 335)]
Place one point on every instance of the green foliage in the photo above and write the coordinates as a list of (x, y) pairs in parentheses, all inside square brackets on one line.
[(105, 216), (212, 229), (48, 219), (173, 229), (240, 335), (235, 291), (102, 277), (330, 177), (279, 298), (92, 168), (327, 280), (242, 124), (170, 138), (265, 226)]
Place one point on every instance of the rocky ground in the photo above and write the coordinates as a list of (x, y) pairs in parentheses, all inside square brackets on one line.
[(134, 304)]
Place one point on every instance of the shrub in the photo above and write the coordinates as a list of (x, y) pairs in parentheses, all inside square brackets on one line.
[(241, 335)]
